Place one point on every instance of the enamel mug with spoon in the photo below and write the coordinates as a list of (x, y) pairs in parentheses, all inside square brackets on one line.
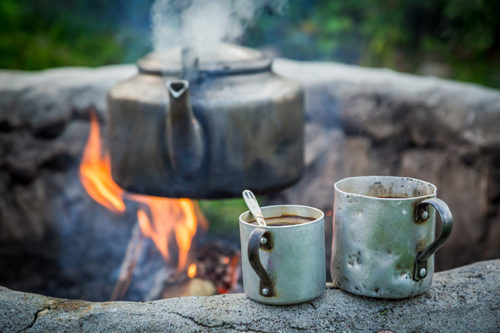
[(283, 261)]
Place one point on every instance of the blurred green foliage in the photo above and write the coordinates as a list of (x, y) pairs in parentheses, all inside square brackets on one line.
[(37, 34), (223, 214), (460, 37)]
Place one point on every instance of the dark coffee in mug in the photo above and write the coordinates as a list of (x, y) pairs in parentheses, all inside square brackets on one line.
[(285, 220)]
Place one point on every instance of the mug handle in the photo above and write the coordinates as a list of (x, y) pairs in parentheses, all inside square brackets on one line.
[(260, 239), (422, 214)]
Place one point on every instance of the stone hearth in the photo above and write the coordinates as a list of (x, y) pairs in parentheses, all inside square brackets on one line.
[(462, 299)]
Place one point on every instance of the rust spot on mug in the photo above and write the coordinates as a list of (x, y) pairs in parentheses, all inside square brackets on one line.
[(421, 245), (354, 258)]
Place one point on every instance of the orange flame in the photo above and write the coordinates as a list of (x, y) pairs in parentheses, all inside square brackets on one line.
[(156, 235), (191, 272), (181, 215), (159, 218), (95, 172)]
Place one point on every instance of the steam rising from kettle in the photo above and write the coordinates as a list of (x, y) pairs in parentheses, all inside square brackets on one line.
[(200, 25)]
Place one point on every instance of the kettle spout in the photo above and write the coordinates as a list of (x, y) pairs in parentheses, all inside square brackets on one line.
[(184, 134)]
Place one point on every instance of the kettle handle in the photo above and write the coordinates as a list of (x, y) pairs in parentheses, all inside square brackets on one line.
[(422, 214), (260, 238)]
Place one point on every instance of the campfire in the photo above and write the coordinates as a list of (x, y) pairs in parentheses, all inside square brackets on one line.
[(170, 223), (123, 223)]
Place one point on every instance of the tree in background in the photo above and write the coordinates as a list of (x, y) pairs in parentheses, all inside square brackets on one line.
[(452, 38), (45, 33)]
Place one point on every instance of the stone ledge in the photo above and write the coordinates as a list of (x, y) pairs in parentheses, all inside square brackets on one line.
[(462, 299), (385, 104)]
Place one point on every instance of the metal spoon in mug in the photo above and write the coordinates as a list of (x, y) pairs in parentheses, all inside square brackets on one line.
[(253, 205)]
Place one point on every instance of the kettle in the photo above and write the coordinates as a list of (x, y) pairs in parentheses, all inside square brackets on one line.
[(205, 128)]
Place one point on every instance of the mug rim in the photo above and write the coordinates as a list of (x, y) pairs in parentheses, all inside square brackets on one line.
[(322, 216), (339, 182)]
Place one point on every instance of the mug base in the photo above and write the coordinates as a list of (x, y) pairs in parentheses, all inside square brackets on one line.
[(373, 294), (275, 301)]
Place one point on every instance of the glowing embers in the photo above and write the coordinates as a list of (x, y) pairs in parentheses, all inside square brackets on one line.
[(191, 272)]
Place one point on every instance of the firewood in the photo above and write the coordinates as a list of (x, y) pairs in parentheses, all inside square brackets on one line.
[(134, 249)]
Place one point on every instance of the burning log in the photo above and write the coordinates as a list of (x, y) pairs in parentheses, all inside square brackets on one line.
[(134, 250), (215, 270)]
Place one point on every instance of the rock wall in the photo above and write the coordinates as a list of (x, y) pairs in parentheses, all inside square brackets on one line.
[(53, 237), (44, 124), (464, 299)]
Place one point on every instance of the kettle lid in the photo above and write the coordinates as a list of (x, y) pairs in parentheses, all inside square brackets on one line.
[(227, 59)]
